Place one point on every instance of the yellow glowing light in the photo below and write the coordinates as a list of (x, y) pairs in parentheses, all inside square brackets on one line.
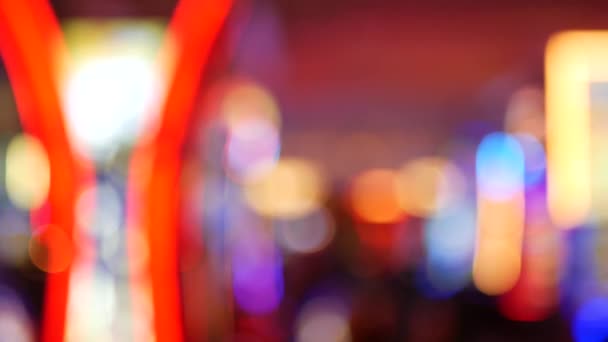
[(292, 189), (252, 117), (497, 262), (574, 60), (27, 172), (500, 169), (374, 196), (247, 101), (428, 184)]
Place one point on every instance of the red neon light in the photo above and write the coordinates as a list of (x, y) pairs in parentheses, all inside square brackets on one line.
[(29, 31), (161, 155)]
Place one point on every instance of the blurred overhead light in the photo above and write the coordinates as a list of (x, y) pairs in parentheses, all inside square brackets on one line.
[(112, 85), (426, 185), (292, 189), (374, 196)]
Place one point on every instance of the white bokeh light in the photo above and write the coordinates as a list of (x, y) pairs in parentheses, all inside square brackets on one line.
[(109, 100)]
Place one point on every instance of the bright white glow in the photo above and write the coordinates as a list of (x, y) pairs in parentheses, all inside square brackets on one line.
[(91, 305), (109, 99)]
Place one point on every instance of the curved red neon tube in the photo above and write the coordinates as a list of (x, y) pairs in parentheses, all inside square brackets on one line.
[(193, 30), (29, 30)]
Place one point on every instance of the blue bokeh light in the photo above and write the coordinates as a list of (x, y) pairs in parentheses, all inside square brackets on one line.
[(500, 164)]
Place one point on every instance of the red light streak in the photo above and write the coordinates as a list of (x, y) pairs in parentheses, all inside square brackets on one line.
[(28, 30), (161, 155)]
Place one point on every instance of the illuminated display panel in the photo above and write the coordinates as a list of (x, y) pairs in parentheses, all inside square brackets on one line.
[(576, 69)]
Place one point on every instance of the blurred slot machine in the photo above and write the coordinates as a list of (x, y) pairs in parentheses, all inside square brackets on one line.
[(576, 92), (111, 112)]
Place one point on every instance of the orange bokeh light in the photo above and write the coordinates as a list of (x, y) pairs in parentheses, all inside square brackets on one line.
[(51, 249), (374, 196)]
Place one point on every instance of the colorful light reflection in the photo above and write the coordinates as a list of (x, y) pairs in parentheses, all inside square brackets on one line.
[(500, 213), (256, 270), (449, 239)]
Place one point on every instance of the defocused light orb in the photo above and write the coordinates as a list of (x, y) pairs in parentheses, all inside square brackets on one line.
[(14, 249), (109, 99), (526, 113), (257, 274), (449, 240), (252, 149), (15, 325), (374, 196), (247, 101), (500, 165), (428, 184), (212, 192), (293, 188), (308, 234), (99, 210), (92, 305), (27, 172), (496, 280), (589, 324), (500, 173), (125, 252), (252, 118), (323, 320), (534, 156), (51, 249)]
